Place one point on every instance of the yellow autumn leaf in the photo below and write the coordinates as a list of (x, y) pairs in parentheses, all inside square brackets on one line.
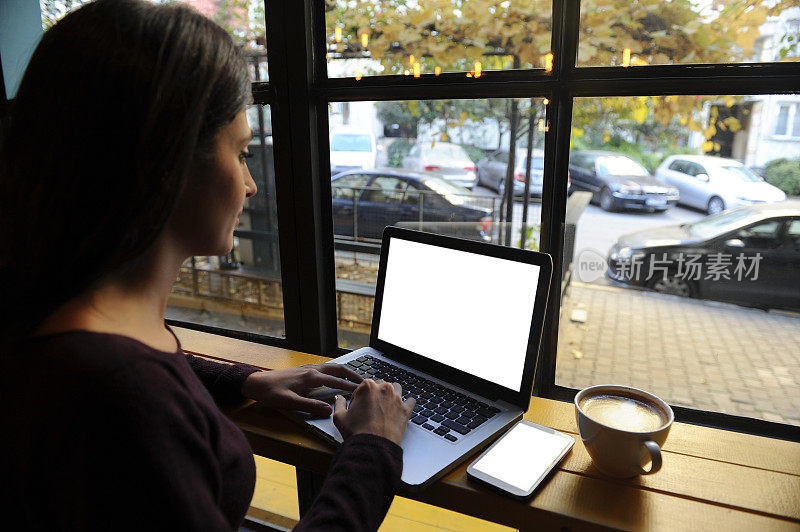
[(640, 114), (709, 132), (707, 146)]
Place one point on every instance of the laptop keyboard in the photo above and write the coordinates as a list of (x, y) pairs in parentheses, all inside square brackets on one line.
[(441, 410)]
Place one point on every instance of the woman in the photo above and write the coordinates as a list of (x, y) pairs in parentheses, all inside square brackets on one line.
[(122, 155)]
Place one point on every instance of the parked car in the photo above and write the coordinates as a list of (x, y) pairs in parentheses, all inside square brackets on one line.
[(492, 171), (444, 158), (619, 182), (748, 255), (364, 202), (715, 183), (351, 149)]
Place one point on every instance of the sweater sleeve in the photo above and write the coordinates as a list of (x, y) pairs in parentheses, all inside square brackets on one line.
[(142, 462), (361, 483), (223, 381)]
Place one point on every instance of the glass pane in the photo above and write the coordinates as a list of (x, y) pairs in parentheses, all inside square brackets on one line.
[(696, 307), (427, 37), (433, 165), (245, 20), (654, 32), (241, 290)]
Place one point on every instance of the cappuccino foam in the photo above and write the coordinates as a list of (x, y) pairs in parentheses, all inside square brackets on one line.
[(623, 413)]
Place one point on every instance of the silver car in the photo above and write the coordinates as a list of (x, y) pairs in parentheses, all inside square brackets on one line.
[(492, 171), (715, 184), (444, 158)]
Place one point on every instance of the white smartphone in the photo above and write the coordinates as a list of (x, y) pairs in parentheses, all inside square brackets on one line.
[(518, 462)]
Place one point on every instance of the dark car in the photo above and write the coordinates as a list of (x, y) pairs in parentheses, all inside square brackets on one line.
[(748, 255), (366, 201), (618, 182)]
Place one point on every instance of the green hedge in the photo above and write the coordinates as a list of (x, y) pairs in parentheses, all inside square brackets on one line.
[(784, 174)]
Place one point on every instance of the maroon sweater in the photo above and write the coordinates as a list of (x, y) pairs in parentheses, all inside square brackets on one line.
[(102, 431)]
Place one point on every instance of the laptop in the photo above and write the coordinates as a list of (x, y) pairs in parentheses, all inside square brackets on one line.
[(458, 324)]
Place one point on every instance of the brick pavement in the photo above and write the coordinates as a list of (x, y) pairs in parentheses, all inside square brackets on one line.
[(700, 354)]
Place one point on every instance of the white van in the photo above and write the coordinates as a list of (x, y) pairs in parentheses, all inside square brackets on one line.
[(351, 149)]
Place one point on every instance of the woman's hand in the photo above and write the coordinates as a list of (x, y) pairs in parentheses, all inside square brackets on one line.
[(375, 408), (282, 388)]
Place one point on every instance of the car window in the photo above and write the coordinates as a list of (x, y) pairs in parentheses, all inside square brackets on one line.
[(414, 151), (793, 235), (449, 150), (617, 165), (678, 166), (764, 235), (385, 189), (412, 196), (454, 194), (719, 224), (694, 169), (347, 187), (351, 142), (739, 172), (502, 157)]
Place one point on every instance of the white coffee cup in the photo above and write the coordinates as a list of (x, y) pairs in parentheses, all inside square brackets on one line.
[(621, 442)]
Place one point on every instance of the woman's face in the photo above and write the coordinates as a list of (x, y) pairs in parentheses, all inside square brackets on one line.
[(208, 209)]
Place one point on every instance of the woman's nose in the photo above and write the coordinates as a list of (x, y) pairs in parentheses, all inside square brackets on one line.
[(249, 184)]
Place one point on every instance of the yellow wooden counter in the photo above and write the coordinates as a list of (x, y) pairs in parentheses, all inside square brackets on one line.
[(710, 479)]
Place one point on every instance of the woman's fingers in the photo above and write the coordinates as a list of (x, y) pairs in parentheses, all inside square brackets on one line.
[(340, 370), (312, 406), (321, 379)]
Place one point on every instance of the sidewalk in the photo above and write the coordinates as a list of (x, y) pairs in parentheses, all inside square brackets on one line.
[(700, 354)]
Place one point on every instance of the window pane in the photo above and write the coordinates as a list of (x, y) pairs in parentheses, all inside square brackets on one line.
[(782, 121), (430, 169), (244, 19), (426, 37), (670, 298), (654, 32), (796, 121), (241, 290)]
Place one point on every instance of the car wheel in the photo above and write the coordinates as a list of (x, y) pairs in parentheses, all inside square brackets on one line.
[(606, 200), (673, 285), (715, 205)]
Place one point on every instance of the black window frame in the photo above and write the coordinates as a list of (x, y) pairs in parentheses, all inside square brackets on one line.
[(299, 92)]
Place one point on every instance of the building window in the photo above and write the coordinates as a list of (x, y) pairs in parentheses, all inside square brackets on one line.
[(787, 122)]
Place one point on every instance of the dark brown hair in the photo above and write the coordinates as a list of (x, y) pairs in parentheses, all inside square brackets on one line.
[(118, 100)]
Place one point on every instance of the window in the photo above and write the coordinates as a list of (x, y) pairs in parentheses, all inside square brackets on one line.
[(428, 38), (761, 236), (621, 33), (787, 123), (434, 184), (640, 80), (649, 272)]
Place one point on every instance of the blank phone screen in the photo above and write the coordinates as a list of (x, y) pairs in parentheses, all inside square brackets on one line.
[(522, 456)]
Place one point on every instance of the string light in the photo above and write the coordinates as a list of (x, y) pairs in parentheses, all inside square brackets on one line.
[(358, 76), (405, 72), (546, 101), (411, 59), (477, 69), (364, 40), (417, 70), (541, 124), (548, 61), (337, 34), (626, 57), (437, 70)]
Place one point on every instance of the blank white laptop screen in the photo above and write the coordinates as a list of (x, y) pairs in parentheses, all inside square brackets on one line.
[(465, 310)]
